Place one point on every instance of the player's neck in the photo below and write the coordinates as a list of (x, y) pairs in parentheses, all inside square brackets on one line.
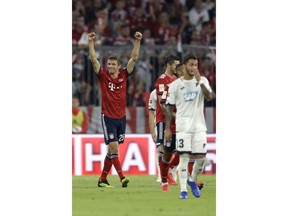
[(168, 73), (114, 75)]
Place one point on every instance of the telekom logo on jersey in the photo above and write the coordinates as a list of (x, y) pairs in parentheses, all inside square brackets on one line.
[(111, 86)]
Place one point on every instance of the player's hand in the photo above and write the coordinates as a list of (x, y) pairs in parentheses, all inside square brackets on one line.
[(91, 36), (168, 134), (196, 73), (138, 36)]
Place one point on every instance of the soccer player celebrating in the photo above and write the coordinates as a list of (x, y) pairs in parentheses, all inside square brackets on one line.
[(113, 84), (187, 94)]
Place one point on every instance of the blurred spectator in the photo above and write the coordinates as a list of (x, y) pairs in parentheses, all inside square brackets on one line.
[(161, 29), (207, 69), (212, 23), (92, 10), (76, 82), (206, 34), (118, 16), (137, 20), (131, 6), (78, 29), (79, 118), (147, 37), (77, 72), (155, 7), (173, 27), (123, 37), (78, 8), (195, 38), (139, 93), (119, 13), (143, 68), (100, 27), (208, 5), (197, 15), (93, 94), (176, 8), (135, 91)]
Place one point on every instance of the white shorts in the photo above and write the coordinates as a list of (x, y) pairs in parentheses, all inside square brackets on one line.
[(191, 142)]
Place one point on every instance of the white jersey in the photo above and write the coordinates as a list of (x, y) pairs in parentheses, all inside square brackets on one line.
[(153, 100), (188, 98)]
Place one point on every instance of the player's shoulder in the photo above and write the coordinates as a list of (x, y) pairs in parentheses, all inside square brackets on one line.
[(123, 69), (175, 83), (161, 77), (102, 69), (204, 78), (153, 92)]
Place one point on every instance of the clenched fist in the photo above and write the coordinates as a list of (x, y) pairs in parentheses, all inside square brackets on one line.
[(138, 36), (91, 36)]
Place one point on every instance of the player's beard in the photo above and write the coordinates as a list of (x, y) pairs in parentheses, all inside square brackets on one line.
[(190, 74)]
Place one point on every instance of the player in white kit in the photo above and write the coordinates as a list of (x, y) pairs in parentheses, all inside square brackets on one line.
[(152, 125), (188, 93)]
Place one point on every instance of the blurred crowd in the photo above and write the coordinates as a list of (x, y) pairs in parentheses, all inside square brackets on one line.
[(163, 23)]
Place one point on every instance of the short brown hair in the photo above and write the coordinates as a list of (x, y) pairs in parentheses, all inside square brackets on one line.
[(115, 57)]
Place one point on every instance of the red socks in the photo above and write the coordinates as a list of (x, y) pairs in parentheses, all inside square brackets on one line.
[(109, 160), (106, 168), (117, 165), (175, 161)]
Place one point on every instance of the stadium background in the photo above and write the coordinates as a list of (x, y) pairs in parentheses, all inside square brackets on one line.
[(171, 26)]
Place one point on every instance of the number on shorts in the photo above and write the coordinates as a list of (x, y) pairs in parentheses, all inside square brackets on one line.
[(181, 143), (204, 144)]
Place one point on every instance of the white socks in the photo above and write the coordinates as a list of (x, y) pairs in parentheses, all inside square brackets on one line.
[(197, 168), (182, 171)]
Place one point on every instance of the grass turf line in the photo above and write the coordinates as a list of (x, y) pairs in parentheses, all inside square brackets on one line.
[(143, 196)]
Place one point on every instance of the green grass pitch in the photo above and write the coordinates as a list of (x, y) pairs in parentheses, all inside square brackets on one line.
[(143, 196)]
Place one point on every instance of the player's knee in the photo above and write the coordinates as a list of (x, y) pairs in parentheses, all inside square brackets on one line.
[(200, 161), (167, 155), (160, 148), (113, 147)]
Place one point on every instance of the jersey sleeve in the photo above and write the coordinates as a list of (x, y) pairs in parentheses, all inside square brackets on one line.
[(164, 96), (206, 83), (125, 72), (100, 75), (171, 96), (152, 101), (160, 86)]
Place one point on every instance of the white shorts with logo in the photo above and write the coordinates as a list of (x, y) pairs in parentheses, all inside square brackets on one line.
[(191, 142)]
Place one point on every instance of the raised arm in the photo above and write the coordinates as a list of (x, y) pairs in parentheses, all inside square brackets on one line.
[(92, 53), (135, 52)]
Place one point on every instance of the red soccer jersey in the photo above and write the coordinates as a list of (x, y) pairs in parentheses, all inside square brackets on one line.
[(113, 93), (162, 85)]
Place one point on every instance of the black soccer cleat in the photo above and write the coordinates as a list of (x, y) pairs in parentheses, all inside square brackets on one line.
[(104, 183)]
